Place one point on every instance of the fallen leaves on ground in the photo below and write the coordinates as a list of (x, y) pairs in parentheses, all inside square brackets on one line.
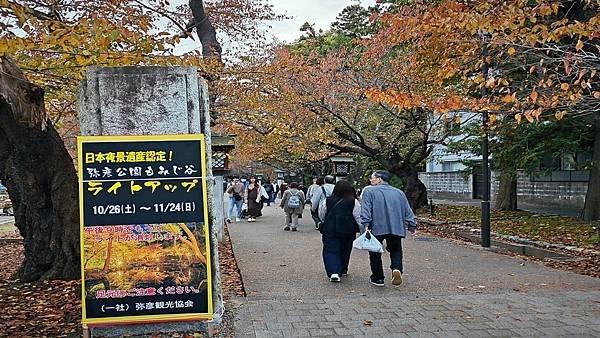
[(548, 228), (53, 308), (231, 277), (44, 309)]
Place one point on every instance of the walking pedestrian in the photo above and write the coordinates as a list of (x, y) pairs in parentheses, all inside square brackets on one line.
[(283, 188), (236, 193), (384, 213), (253, 194), (321, 194), (262, 197), (292, 203), (319, 182), (269, 190), (311, 189), (275, 191), (340, 214)]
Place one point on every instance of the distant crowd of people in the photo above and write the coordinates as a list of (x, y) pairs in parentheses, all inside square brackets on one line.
[(338, 213)]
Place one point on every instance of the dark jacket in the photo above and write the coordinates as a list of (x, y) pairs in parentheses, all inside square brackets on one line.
[(339, 218)]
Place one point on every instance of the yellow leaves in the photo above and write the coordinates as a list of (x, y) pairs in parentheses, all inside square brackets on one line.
[(493, 118), (579, 45), (597, 95), (560, 115), (546, 9), (518, 117), (534, 96), (564, 86), (512, 51), (457, 119), (510, 98)]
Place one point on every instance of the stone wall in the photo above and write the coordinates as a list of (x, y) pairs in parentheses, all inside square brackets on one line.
[(457, 185), (559, 193), (448, 183)]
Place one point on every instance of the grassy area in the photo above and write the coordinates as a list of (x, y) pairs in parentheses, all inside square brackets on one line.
[(7, 229), (553, 229)]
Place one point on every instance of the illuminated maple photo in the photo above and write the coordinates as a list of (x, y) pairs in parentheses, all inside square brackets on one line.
[(122, 260)]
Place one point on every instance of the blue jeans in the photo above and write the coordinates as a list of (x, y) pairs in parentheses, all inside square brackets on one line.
[(393, 245), (237, 204), (336, 252)]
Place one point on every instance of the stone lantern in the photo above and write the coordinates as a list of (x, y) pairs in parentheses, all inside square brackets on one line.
[(221, 148), (341, 166)]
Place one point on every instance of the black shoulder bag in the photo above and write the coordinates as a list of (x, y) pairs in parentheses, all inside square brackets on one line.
[(322, 224)]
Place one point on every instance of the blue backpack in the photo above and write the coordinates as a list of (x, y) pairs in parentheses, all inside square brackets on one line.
[(294, 201)]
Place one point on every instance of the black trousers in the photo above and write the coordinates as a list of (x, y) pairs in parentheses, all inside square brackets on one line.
[(393, 245), (336, 252)]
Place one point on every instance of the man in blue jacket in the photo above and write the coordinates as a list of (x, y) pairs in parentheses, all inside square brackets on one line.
[(385, 211)]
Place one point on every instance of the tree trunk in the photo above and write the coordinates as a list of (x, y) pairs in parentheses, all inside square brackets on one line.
[(415, 190), (211, 48), (41, 180), (507, 196), (591, 210)]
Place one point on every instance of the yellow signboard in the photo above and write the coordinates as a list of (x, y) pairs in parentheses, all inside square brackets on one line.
[(145, 239)]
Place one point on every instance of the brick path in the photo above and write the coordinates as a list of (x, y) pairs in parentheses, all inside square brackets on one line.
[(450, 289)]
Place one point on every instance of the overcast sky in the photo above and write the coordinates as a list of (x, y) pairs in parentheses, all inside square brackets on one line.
[(321, 13)]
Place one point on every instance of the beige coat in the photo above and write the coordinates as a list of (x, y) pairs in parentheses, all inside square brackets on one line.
[(286, 196)]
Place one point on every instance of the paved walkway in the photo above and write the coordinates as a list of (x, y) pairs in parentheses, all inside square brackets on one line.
[(450, 289)]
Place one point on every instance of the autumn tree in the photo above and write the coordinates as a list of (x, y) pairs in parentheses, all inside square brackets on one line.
[(529, 60), (54, 43), (329, 93)]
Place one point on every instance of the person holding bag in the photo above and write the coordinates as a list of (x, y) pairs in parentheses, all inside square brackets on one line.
[(386, 214), (236, 193), (340, 215), (253, 199)]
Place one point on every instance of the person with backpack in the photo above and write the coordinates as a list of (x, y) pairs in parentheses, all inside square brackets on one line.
[(292, 203), (236, 193), (340, 215), (320, 194)]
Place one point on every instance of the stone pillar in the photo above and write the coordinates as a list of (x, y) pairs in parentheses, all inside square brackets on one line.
[(219, 207), (152, 101)]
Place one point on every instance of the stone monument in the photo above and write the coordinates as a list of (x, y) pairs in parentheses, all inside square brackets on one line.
[(152, 101)]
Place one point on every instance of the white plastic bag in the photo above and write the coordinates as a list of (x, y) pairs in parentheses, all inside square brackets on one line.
[(370, 244)]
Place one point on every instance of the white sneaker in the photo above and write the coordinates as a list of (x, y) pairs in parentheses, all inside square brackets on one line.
[(396, 277), (237, 219), (228, 220), (335, 278)]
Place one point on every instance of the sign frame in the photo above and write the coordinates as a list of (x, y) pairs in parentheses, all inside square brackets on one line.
[(156, 318)]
